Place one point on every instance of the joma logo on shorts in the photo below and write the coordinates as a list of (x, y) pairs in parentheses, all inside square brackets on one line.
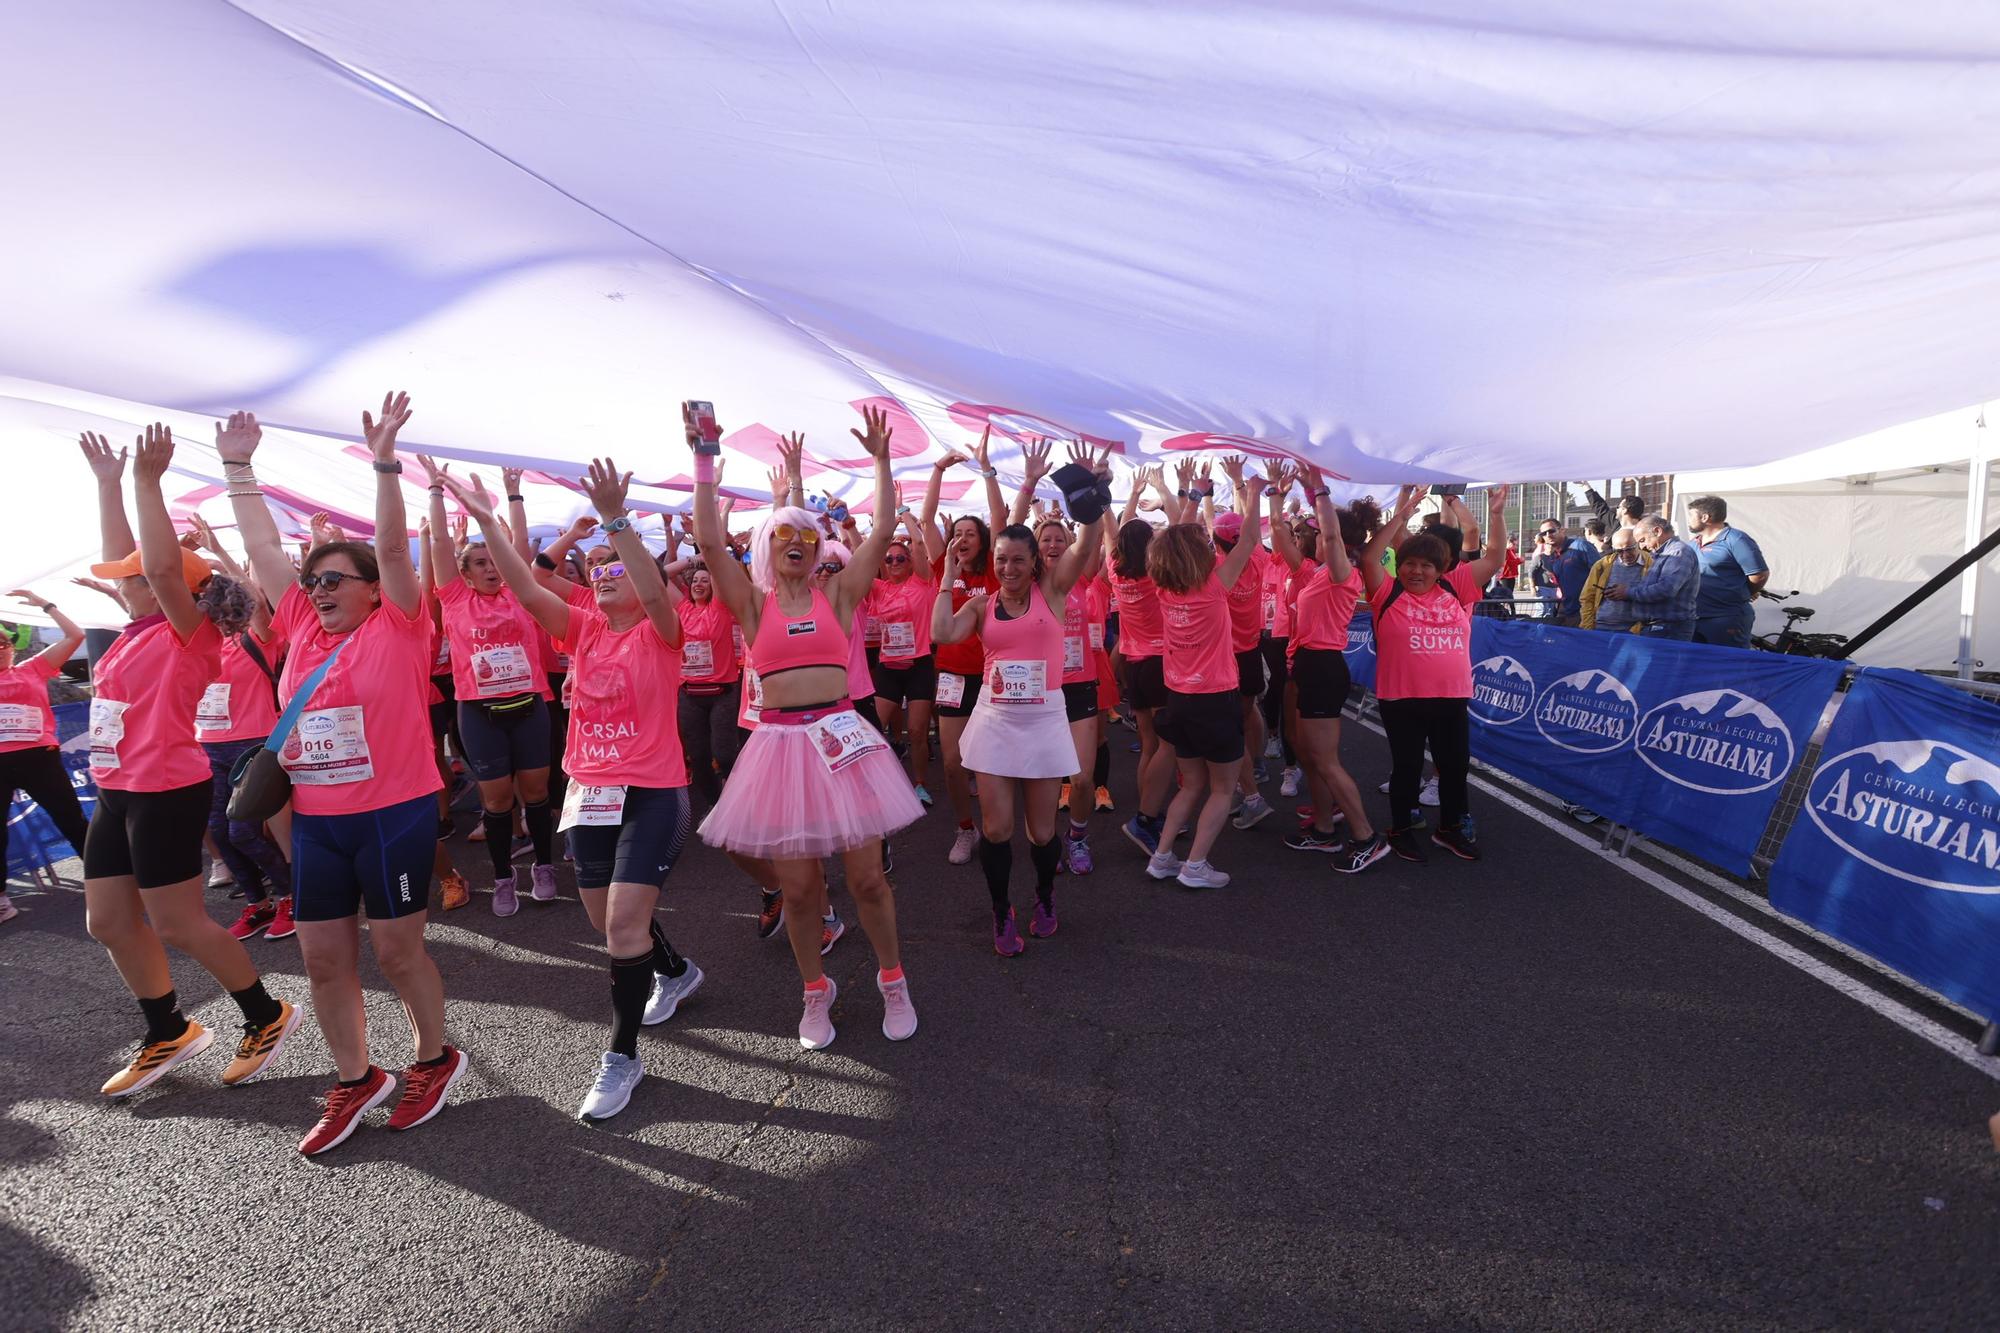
[(403, 884)]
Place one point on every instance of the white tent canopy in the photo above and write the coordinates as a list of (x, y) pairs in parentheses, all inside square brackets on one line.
[(1857, 526), (1455, 239)]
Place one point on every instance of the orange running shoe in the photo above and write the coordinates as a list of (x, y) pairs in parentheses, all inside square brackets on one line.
[(1104, 801), (260, 1046), (456, 893), (156, 1058)]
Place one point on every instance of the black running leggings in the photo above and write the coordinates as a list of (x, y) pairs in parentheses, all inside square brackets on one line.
[(39, 773), (1272, 703), (1444, 726), (710, 739)]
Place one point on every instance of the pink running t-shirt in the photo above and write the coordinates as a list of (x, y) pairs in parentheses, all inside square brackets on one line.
[(1423, 645), (1139, 629), (1199, 659), (1079, 662), (147, 687), (238, 704), (26, 720), (1246, 603), (624, 719), (708, 642), (364, 740), (1324, 609), (904, 611), (1275, 609), (496, 650)]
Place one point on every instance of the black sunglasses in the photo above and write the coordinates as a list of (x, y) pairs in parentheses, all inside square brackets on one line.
[(330, 580)]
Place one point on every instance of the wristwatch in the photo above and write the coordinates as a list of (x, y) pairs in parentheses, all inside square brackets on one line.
[(393, 465), (618, 524)]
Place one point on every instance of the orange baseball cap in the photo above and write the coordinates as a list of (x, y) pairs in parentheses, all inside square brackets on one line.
[(193, 569)]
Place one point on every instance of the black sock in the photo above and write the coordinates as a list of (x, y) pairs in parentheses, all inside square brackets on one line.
[(356, 1082), (541, 830), (1045, 856), (1153, 822), (1100, 774), (499, 825), (665, 961), (437, 1060), (631, 983), (257, 1005), (997, 860), (164, 1019)]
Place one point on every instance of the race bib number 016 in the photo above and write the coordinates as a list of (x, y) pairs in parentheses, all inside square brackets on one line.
[(20, 722), (328, 748), (899, 638), (502, 669), (844, 738), (212, 713), (1018, 682), (698, 658), (950, 690)]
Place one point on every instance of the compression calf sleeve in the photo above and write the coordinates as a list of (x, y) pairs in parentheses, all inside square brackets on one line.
[(499, 825), (541, 830), (631, 984), (997, 860)]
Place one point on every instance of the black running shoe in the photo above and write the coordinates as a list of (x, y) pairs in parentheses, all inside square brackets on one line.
[(1357, 856), (1457, 842), (1403, 842), (1312, 840), (771, 915)]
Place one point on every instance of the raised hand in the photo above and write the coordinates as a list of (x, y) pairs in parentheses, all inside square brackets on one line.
[(477, 501), (434, 472), (381, 435), (98, 585), (190, 540), (1496, 499), (23, 595), (156, 452), (237, 438), (1184, 473), (457, 524), (606, 486), (781, 484), (1232, 468), (510, 477), (985, 444), (1205, 474), (204, 536), (792, 452), (692, 432), (104, 465), (1035, 461), (876, 440), (1286, 477), (1314, 479), (1407, 500), (585, 524), (949, 459)]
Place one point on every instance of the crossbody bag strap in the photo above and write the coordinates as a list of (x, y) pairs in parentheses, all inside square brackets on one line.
[(249, 645), (293, 710)]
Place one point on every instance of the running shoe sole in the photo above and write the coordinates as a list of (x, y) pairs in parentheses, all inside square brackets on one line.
[(270, 1056), (195, 1047), (623, 1102)]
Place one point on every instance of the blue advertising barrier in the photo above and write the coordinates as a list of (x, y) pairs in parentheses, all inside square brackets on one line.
[(1688, 743), (1360, 650), (1896, 849), (32, 839)]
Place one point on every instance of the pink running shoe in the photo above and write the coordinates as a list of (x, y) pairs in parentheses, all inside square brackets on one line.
[(1043, 923), (1007, 941), (816, 1022), (1077, 852)]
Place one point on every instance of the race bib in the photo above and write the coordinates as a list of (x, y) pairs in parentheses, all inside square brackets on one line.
[(843, 739), (20, 722), (950, 690), (871, 629), (328, 748), (107, 729), (592, 806), (899, 638), (698, 658), (1270, 611), (736, 636), (442, 662), (753, 694), (1097, 638), (502, 669), (212, 713), (1072, 653), (1018, 683)]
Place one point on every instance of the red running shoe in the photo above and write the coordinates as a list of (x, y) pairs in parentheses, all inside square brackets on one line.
[(344, 1108), (281, 926), (255, 917), (424, 1087)]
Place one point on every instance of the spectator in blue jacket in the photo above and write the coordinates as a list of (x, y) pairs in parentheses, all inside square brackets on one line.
[(1564, 563), (1732, 571), (1666, 595)]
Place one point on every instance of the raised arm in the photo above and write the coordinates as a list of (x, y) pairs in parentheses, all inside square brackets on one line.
[(236, 442), (920, 542), (1251, 491), (443, 554), (1283, 544), (606, 486), (159, 547), (854, 583), (1372, 573), (1488, 563), (1034, 466), (1468, 526), (931, 488), (114, 530), (792, 449), (996, 505), (72, 634), (1088, 548), (517, 513), (558, 551), (550, 611), (732, 581), (947, 625), (392, 525), (1332, 549)]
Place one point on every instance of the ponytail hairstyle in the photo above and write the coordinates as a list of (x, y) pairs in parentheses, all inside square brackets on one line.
[(1359, 522), (1128, 561), (1021, 532)]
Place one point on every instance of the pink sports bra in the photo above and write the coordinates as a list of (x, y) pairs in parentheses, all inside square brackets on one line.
[(786, 644)]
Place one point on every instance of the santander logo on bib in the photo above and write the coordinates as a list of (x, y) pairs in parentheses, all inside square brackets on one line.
[(1588, 712), (1502, 691), (1720, 741), (1922, 810)]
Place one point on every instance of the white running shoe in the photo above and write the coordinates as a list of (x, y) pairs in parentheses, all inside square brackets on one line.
[(1163, 865), (1252, 813), (1273, 748), (617, 1075), (1202, 875), (816, 1023), (1384, 788), (668, 992), (1290, 785), (961, 847), (899, 1016), (1429, 795)]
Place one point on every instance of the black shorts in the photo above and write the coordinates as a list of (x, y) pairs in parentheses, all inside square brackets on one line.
[(1148, 682), (963, 708), (1250, 672), (154, 836), (1080, 700), (1275, 669), (1208, 727), (379, 860), (499, 744), (640, 850), (444, 713), (910, 681), (1321, 675)]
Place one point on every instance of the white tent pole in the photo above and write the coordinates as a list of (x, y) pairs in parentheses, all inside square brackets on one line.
[(1975, 530)]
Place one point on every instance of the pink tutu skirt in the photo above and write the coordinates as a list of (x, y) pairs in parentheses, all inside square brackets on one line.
[(785, 800)]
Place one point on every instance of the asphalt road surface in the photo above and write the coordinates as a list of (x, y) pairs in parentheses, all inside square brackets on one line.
[(1528, 1093)]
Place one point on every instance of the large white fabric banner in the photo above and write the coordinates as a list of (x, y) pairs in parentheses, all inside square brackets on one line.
[(1441, 239)]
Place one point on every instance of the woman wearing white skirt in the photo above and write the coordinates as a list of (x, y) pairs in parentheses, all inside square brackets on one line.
[(1019, 729)]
